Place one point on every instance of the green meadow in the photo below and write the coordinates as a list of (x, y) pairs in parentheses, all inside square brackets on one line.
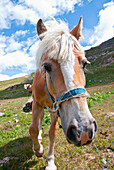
[(15, 142)]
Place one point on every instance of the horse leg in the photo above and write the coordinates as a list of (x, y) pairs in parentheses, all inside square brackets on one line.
[(33, 129), (52, 135), (40, 127)]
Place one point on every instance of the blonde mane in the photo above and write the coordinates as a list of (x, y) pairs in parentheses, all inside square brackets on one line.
[(57, 42)]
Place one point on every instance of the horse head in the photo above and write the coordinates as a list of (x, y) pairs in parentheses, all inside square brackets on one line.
[(63, 60)]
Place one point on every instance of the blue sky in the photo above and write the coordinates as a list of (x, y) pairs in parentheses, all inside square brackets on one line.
[(18, 38)]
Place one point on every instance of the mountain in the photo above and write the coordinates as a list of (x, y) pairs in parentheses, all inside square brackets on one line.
[(102, 55), (101, 69)]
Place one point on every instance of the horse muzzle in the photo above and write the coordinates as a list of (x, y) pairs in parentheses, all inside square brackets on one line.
[(81, 136)]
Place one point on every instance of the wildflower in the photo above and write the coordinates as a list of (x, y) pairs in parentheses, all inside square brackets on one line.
[(6, 159), (1, 114), (103, 124), (104, 161)]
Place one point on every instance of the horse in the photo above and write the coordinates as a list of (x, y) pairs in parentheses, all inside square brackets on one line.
[(59, 85)]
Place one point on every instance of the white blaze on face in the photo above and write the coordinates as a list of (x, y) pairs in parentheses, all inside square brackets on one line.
[(67, 69), (76, 111)]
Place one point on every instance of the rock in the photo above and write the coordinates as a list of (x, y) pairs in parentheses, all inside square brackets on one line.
[(109, 114)]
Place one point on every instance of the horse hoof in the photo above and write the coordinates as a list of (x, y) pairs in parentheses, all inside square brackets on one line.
[(52, 167), (39, 152)]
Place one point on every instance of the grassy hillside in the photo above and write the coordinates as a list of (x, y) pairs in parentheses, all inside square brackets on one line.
[(12, 82), (104, 47), (100, 76), (8, 83), (17, 87), (101, 69)]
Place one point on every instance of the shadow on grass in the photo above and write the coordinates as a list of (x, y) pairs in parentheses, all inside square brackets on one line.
[(17, 154)]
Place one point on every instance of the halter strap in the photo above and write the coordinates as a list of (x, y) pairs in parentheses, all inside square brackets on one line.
[(70, 94), (48, 91), (73, 93)]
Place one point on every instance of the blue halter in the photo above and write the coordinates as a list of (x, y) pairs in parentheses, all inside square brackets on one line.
[(65, 96)]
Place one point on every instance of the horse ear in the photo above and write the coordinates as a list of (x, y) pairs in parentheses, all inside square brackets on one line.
[(76, 31), (40, 27)]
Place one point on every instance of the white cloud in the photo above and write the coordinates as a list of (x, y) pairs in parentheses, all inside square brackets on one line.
[(21, 33), (47, 8), (2, 44), (1, 52), (14, 52), (86, 35), (17, 53), (5, 9), (33, 49), (10, 11), (86, 48), (104, 30), (9, 44), (27, 10), (17, 58), (22, 14), (6, 77), (12, 45)]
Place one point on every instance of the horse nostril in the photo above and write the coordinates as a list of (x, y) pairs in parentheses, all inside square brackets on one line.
[(90, 134), (95, 124), (92, 131), (71, 133)]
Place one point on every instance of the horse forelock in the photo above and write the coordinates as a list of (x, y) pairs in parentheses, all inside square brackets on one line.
[(58, 43)]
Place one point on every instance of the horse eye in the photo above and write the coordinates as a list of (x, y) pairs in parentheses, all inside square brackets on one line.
[(47, 67)]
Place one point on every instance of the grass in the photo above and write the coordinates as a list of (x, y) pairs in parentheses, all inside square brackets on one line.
[(16, 143), (100, 71), (100, 76)]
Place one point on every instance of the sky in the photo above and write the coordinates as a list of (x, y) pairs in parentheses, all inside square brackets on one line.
[(18, 37)]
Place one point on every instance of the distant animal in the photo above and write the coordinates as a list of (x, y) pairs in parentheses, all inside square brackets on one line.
[(28, 87), (59, 85), (28, 106)]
